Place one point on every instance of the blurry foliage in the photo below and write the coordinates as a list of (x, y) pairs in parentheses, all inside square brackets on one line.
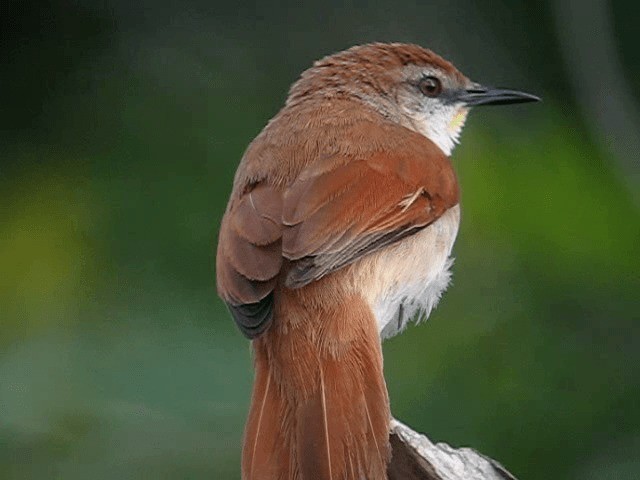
[(122, 126)]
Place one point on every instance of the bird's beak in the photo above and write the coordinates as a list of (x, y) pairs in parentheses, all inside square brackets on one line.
[(480, 95)]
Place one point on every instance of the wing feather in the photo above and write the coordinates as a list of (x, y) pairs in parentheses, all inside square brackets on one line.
[(381, 199), (339, 208)]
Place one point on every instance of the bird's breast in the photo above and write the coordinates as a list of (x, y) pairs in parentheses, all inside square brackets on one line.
[(405, 280)]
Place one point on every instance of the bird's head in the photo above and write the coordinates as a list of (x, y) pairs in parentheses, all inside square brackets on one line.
[(407, 84)]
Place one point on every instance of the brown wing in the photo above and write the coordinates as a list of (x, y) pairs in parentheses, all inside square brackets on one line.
[(337, 209), (249, 257)]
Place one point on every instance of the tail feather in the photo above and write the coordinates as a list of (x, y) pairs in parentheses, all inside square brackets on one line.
[(349, 413), (263, 396), (262, 457), (320, 409), (313, 443)]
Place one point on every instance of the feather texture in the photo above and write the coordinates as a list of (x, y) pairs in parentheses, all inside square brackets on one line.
[(323, 398), (338, 209)]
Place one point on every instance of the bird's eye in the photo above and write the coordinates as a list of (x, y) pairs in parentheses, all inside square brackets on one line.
[(430, 86)]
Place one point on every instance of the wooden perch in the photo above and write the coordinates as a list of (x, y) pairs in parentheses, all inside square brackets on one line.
[(414, 457)]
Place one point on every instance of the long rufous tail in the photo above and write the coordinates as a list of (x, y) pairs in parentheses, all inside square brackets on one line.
[(319, 409)]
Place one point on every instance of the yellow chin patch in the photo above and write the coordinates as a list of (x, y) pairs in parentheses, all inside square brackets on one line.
[(457, 122)]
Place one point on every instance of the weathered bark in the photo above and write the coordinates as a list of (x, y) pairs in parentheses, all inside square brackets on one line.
[(414, 457)]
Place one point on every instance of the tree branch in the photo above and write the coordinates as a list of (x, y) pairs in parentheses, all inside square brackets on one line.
[(414, 457)]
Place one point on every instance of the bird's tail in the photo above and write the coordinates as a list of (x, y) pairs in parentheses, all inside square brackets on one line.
[(320, 409)]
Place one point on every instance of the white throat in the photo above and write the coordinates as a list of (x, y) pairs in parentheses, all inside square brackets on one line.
[(442, 127)]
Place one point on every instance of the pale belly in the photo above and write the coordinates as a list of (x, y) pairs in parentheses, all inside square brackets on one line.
[(407, 279)]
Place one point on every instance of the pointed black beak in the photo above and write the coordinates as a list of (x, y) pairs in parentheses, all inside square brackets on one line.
[(481, 95)]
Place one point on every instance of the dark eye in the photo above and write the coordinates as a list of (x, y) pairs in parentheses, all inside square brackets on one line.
[(430, 86)]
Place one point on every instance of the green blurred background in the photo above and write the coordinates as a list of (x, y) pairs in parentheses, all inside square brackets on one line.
[(121, 127)]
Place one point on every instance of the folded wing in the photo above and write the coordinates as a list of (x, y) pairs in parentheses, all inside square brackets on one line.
[(339, 208)]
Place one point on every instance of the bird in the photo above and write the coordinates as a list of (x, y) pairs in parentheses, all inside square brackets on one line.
[(338, 233)]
